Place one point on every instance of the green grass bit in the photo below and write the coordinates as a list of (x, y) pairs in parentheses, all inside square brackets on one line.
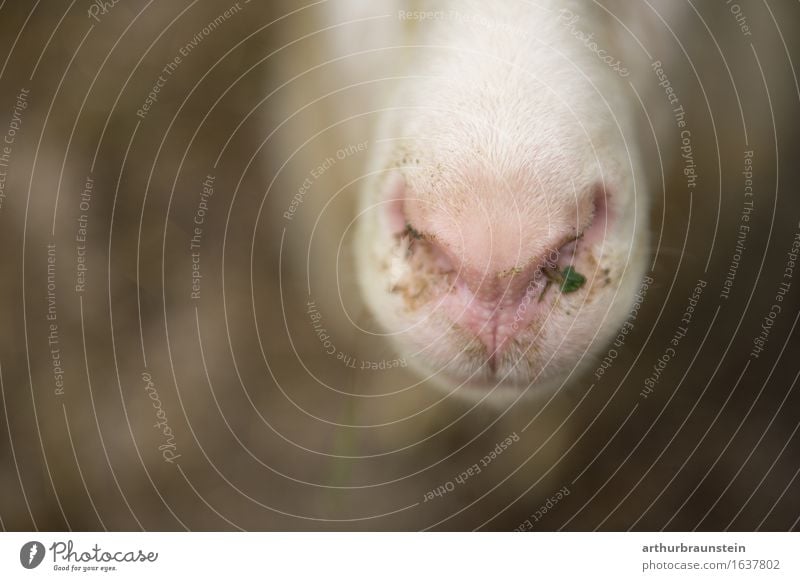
[(572, 280)]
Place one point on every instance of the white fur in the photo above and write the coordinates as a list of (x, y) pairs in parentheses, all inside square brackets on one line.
[(511, 122)]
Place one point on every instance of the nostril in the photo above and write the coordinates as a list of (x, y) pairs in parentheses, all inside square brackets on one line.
[(601, 218), (425, 252), (471, 253)]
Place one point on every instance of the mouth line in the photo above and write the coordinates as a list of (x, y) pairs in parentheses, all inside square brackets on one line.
[(492, 361)]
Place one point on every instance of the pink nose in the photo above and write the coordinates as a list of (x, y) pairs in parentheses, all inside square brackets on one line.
[(495, 305), (500, 256), (499, 270)]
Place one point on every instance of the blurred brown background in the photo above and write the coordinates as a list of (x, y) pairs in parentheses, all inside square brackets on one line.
[(259, 428)]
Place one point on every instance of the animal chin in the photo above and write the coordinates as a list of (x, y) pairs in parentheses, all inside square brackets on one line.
[(470, 365), (461, 346), (491, 334)]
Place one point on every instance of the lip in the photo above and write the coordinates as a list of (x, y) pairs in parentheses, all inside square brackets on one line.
[(495, 317)]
